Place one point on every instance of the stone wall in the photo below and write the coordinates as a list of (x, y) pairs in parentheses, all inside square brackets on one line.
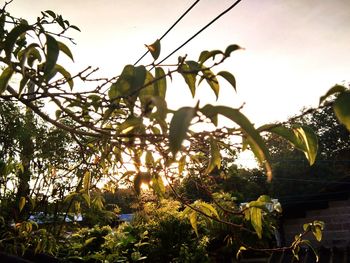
[(337, 224)]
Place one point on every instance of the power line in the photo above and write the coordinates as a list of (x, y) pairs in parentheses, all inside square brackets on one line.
[(177, 21), (200, 31), (309, 180)]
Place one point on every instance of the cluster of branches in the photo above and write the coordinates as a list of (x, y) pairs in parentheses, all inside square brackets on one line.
[(123, 124)]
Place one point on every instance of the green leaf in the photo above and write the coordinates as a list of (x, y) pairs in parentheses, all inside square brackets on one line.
[(162, 108), (310, 142), (181, 164), (147, 91), (22, 202), (5, 78), (194, 66), (193, 220), (88, 241), (206, 208), (31, 53), (158, 186), (256, 220), (12, 37), (178, 127), (335, 89), (98, 202), (229, 77), (65, 50), (75, 27), (230, 49), (86, 198), (137, 183), (189, 77), (129, 124), (211, 113), (215, 156), (160, 86), (341, 108), (264, 198), (52, 51), (253, 137), (87, 180), (317, 232), (129, 82), (149, 159), (205, 55), (301, 137), (212, 81), (140, 77), (65, 74), (239, 252), (154, 49), (51, 13)]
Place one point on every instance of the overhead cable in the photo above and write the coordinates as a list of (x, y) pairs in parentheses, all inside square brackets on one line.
[(200, 31), (177, 21)]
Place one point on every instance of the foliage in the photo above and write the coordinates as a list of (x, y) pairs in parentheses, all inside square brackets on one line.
[(182, 245), (290, 181), (25, 236), (101, 244), (121, 132)]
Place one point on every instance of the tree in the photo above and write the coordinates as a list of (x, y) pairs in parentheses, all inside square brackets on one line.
[(294, 180), (123, 126)]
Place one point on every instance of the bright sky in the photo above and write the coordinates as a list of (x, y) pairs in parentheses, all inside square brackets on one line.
[(294, 49)]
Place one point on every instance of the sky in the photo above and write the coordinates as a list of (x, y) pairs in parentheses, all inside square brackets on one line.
[(294, 50)]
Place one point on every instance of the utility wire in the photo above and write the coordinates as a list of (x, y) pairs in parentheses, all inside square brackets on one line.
[(177, 21), (310, 180), (200, 31)]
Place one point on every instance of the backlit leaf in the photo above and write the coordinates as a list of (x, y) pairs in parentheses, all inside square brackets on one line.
[(129, 124), (87, 180), (181, 164), (212, 81), (147, 91), (341, 108), (149, 159), (88, 241), (253, 137), (158, 186), (230, 49), (22, 202), (65, 50), (193, 220), (154, 49), (215, 156), (189, 77), (205, 55), (310, 142), (52, 51), (160, 85), (75, 27), (256, 220), (5, 78), (51, 13), (335, 89), (179, 126), (194, 66), (65, 74), (12, 37), (207, 209), (86, 198), (317, 232), (301, 137), (239, 252), (229, 77)]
